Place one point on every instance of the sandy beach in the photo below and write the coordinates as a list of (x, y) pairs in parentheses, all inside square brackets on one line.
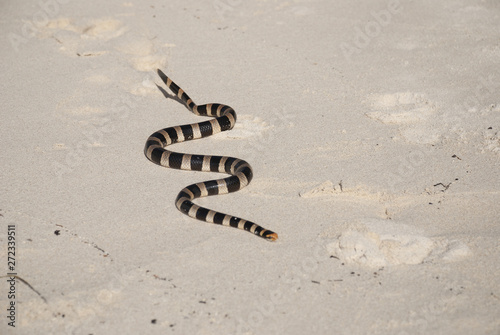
[(373, 131)]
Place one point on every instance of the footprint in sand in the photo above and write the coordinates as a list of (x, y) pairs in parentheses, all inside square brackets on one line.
[(376, 242), (146, 54), (146, 87), (82, 37), (419, 122), (409, 111)]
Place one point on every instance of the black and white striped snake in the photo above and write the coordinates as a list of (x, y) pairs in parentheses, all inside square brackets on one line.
[(240, 171)]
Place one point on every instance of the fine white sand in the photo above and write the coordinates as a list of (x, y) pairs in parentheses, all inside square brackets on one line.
[(373, 132)]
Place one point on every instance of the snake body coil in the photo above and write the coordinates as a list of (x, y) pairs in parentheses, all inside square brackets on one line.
[(240, 170)]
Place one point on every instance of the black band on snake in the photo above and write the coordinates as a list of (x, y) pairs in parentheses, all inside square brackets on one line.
[(240, 171)]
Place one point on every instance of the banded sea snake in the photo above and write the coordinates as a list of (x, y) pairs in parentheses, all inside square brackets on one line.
[(240, 170)]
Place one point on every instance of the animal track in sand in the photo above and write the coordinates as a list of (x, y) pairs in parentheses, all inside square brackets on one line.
[(419, 123), (85, 38), (376, 242), (147, 56), (406, 100), (476, 127), (82, 37), (146, 87), (103, 29), (408, 110)]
